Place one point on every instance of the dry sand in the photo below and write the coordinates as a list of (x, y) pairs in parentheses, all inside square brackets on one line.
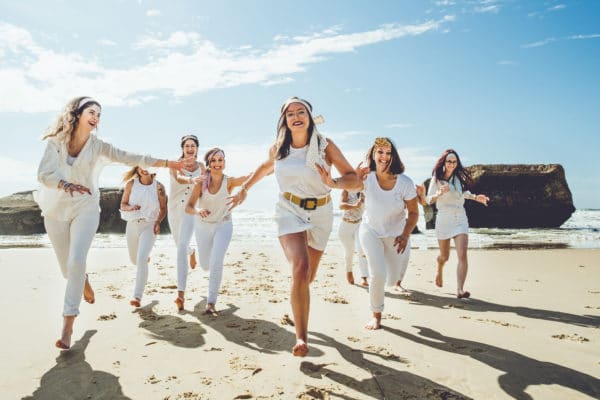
[(530, 331)]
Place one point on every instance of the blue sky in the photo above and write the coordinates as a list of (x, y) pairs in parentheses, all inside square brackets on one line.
[(501, 81)]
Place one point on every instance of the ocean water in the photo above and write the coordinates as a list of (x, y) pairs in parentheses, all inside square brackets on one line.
[(582, 230)]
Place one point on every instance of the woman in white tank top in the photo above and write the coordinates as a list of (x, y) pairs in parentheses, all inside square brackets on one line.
[(143, 206), (384, 233), (301, 159), (213, 228), (180, 187)]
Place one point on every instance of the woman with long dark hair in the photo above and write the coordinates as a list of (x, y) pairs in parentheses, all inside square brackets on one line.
[(301, 159), (448, 188)]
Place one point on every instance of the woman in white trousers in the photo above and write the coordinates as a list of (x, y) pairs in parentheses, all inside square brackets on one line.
[(143, 206), (385, 230), (208, 207), (69, 196), (353, 205)]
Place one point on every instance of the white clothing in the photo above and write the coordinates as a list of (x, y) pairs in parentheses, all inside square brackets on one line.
[(179, 195), (385, 264), (348, 234), (385, 211), (215, 203), (295, 177), (354, 214), (140, 240), (145, 196), (451, 219), (71, 241), (85, 171)]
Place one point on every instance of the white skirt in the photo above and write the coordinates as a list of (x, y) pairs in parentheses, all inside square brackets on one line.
[(317, 223), (450, 224)]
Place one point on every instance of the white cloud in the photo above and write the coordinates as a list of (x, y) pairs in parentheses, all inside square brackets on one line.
[(581, 37), (106, 42), (153, 13), (180, 64), (487, 9), (539, 44), (557, 7), (399, 126)]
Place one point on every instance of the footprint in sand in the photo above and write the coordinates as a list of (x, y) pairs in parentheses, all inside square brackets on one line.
[(574, 337), (108, 317)]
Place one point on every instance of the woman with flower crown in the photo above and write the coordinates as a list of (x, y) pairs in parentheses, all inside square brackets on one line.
[(385, 230), (69, 196), (301, 159)]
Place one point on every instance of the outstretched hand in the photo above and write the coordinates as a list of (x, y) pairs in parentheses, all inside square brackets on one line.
[(483, 199), (325, 175), (75, 188), (236, 199)]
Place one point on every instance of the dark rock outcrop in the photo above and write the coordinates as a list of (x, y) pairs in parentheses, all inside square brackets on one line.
[(521, 196), (20, 215)]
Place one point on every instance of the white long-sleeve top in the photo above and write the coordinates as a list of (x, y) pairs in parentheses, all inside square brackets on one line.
[(85, 170), (451, 201)]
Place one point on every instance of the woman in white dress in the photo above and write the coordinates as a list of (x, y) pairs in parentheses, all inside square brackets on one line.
[(143, 206), (69, 196), (208, 206), (448, 189), (353, 205), (301, 159), (385, 230), (181, 184)]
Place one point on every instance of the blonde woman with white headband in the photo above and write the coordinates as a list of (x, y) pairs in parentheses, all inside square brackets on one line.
[(69, 196), (301, 159)]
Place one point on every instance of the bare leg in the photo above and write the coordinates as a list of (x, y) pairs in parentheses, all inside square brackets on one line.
[(88, 292), (299, 256), (64, 342), (441, 260), (374, 323), (180, 299), (461, 242)]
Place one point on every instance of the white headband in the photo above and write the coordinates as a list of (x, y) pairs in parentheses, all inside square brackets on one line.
[(319, 119), (85, 100)]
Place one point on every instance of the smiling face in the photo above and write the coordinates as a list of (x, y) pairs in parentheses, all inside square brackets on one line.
[(216, 162), (382, 155), (190, 149), (89, 118), (450, 163), (297, 117)]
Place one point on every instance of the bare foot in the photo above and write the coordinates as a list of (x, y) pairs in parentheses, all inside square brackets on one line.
[(135, 302), (374, 323), (179, 301), (88, 292), (350, 277), (364, 282), (64, 343), (398, 288), (193, 260), (463, 295), (300, 349), (439, 280), (210, 310)]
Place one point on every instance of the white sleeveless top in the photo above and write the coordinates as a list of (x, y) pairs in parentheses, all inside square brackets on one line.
[(145, 196), (179, 193), (295, 177), (354, 214), (216, 204), (385, 211)]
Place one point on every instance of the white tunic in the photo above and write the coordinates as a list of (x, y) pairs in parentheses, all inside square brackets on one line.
[(145, 196), (385, 210), (216, 204), (451, 219), (179, 193), (85, 170)]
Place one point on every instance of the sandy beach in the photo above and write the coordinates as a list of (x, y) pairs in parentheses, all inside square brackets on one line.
[(530, 331)]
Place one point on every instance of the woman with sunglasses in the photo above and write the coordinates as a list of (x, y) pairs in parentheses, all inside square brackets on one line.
[(448, 189)]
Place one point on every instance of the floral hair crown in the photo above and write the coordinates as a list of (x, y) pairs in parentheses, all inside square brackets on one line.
[(382, 142)]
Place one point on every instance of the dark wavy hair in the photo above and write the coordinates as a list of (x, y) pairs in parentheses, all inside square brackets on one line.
[(459, 172), (284, 134), (395, 167)]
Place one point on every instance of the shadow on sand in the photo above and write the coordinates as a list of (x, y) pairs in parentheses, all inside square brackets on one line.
[(385, 382), (73, 378), (519, 371), (170, 328)]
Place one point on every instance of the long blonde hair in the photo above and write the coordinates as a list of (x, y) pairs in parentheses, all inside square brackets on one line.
[(67, 121)]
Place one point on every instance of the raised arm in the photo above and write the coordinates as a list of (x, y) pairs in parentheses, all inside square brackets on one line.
[(186, 180), (162, 201), (121, 156), (348, 179), (235, 182), (264, 169), (125, 206)]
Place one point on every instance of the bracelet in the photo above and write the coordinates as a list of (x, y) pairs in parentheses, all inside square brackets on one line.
[(244, 187), (335, 182)]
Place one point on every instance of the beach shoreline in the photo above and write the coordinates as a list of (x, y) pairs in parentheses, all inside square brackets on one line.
[(531, 327)]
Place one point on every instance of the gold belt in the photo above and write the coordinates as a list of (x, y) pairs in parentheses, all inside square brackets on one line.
[(309, 203)]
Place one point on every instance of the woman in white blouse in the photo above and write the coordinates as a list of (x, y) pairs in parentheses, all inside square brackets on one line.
[(143, 206), (69, 196), (447, 189)]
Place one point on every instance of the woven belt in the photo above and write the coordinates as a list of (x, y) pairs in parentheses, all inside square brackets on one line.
[(309, 203), (351, 221)]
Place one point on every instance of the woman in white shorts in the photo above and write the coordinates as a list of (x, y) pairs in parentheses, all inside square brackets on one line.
[(208, 206), (301, 159), (386, 228), (69, 196), (448, 189), (353, 205), (180, 187), (143, 206)]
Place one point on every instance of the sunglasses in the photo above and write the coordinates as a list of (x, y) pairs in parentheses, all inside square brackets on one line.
[(451, 162)]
